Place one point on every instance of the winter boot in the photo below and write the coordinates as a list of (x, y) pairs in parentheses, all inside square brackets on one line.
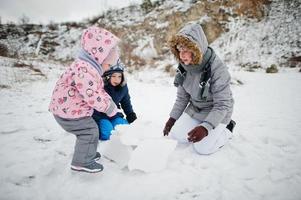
[(231, 125), (94, 167)]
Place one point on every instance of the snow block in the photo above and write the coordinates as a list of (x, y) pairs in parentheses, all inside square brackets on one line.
[(136, 132), (138, 148), (152, 154), (117, 151)]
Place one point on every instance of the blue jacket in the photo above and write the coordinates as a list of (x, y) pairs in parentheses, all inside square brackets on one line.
[(121, 97)]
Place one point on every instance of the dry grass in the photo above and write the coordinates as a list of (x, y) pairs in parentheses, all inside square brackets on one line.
[(3, 50), (36, 71), (4, 87)]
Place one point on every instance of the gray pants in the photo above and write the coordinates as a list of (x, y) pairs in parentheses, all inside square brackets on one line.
[(86, 131)]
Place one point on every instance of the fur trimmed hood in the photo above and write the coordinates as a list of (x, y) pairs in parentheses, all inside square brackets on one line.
[(192, 37)]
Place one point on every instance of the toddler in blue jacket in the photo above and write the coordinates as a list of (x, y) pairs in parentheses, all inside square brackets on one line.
[(116, 87)]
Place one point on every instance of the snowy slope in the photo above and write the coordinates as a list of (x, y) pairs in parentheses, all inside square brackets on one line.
[(272, 40), (262, 161)]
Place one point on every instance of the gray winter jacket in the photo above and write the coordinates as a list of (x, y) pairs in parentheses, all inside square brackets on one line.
[(218, 106)]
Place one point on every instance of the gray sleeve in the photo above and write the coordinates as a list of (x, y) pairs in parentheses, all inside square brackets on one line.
[(222, 97), (180, 104)]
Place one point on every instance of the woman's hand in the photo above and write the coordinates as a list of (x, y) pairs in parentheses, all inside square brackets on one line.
[(169, 124), (197, 134)]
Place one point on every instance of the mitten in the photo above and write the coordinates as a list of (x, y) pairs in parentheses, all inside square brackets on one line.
[(197, 134), (131, 117), (169, 124)]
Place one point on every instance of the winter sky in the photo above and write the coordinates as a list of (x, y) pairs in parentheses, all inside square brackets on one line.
[(56, 10)]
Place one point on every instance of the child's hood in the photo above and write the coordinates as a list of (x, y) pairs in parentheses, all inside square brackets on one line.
[(192, 37), (98, 42)]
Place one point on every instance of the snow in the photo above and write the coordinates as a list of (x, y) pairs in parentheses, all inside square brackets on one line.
[(145, 49), (116, 151), (161, 25), (182, 6), (269, 41), (130, 146), (273, 40), (124, 17), (262, 161), (67, 37), (151, 155)]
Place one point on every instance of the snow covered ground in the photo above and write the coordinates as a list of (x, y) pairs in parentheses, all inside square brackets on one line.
[(262, 161)]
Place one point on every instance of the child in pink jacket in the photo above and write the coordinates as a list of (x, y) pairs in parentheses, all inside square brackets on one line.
[(80, 89)]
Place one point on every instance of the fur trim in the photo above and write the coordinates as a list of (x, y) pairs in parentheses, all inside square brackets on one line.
[(180, 39)]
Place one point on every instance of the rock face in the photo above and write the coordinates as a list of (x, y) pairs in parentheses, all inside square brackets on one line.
[(144, 30), (164, 20)]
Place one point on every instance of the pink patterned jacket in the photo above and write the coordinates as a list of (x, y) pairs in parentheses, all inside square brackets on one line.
[(80, 88)]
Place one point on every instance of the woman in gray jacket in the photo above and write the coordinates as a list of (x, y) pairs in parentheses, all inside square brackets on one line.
[(204, 102)]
